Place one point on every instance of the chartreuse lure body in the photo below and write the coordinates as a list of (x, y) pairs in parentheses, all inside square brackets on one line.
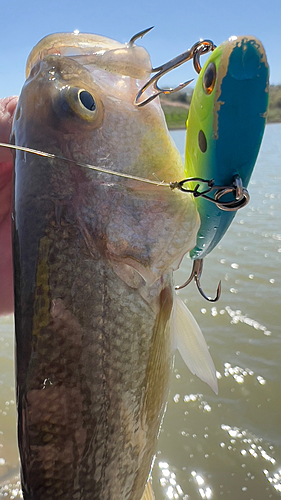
[(225, 128)]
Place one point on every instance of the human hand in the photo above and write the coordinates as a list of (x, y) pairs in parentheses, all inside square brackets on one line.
[(7, 109)]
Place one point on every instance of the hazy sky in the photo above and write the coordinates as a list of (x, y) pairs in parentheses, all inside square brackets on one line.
[(178, 24)]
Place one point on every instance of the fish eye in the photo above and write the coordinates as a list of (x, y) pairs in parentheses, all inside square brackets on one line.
[(76, 103), (87, 100), (209, 78)]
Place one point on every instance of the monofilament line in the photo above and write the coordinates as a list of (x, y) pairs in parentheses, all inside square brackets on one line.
[(86, 165)]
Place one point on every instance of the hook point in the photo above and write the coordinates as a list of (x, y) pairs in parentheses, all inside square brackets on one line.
[(138, 35), (196, 275)]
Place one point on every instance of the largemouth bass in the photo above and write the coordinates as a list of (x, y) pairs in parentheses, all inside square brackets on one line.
[(94, 255)]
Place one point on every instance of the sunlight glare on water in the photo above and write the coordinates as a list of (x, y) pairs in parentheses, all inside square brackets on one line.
[(235, 446)]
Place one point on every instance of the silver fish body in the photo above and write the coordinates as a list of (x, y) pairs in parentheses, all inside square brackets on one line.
[(93, 261)]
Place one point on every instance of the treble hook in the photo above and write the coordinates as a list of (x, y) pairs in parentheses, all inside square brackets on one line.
[(199, 48), (196, 275), (140, 34)]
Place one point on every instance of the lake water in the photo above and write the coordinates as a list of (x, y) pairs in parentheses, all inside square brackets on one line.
[(211, 447)]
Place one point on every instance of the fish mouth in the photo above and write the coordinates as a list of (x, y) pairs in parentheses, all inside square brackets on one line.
[(94, 51)]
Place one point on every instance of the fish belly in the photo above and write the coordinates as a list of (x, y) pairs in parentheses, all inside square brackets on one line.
[(93, 355)]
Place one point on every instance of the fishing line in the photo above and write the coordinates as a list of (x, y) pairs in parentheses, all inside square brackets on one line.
[(86, 165), (241, 195)]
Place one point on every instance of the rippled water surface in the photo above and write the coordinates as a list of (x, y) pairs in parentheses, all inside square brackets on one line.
[(226, 446)]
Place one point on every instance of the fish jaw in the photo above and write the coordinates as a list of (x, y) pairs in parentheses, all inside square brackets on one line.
[(93, 261), (96, 51)]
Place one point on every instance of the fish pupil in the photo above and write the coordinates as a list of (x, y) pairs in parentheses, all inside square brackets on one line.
[(87, 100), (209, 78), (202, 141)]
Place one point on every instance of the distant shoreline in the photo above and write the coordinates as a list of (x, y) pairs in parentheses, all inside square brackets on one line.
[(176, 106), (183, 127)]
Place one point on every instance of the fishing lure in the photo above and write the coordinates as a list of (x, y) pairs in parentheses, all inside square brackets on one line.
[(225, 127), (224, 130)]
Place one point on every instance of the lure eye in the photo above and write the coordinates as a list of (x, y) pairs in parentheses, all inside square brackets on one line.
[(209, 78), (87, 100), (202, 141)]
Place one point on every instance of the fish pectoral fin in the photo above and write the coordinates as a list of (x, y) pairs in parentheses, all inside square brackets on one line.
[(132, 272), (191, 345), (148, 492)]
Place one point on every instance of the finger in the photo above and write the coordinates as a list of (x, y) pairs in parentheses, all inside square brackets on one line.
[(7, 109)]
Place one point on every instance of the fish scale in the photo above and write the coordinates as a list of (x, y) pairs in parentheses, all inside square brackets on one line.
[(67, 349)]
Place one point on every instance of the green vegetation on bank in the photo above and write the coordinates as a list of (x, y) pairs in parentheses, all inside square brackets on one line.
[(176, 106), (274, 107)]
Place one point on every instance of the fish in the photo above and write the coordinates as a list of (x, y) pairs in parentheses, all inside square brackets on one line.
[(224, 129), (97, 319)]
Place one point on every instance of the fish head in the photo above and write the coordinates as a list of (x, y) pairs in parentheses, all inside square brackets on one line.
[(87, 98), (81, 107)]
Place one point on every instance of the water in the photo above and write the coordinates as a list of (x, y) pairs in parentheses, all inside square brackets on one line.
[(226, 446)]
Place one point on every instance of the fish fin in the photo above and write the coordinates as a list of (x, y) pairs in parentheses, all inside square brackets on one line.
[(191, 345), (148, 492)]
